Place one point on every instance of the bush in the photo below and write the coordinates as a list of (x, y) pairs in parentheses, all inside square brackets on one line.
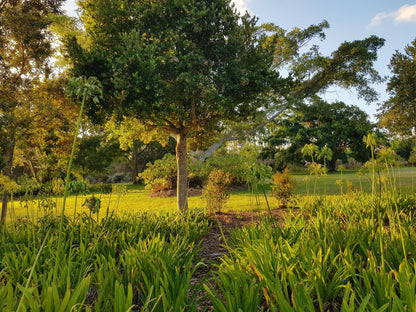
[(161, 175), (216, 190), (283, 186), (412, 157)]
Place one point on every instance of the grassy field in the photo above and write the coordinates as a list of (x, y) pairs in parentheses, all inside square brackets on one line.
[(405, 180), (137, 199)]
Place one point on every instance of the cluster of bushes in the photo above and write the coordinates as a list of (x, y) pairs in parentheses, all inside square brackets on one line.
[(242, 166)]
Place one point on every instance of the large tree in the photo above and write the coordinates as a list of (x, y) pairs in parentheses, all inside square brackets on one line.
[(25, 48), (337, 126), (183, 66), (180, 66), (398, 113)]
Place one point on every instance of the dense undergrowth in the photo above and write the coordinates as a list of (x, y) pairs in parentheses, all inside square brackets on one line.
[(140, 262), (344, 254), (335, 253)]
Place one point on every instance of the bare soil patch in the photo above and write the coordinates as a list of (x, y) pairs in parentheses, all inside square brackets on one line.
[(172, 193), (213, 244)]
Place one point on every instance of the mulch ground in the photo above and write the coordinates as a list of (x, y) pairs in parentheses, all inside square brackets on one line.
[(213, 245)]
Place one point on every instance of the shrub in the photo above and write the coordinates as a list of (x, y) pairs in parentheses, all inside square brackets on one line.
[(412, 157), (161, 175), (216, 190), (93, 204), (283, 186), (238, 163)]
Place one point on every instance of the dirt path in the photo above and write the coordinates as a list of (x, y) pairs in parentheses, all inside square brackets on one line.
[(212, 246)]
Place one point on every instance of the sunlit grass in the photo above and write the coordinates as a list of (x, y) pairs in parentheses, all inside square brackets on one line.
[(327, 185), (136, 201), (137, 198)]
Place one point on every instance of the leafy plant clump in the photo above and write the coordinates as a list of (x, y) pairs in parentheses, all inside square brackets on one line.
[(283, 186), (333, 256), (93, 204), (161, 175), (137, 262), (216, 190)]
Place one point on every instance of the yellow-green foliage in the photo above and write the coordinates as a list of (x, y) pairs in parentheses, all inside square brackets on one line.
[(156, 254), (283, 186), (216, 190)]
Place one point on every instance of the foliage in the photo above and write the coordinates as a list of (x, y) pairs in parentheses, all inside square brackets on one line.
[(336, 126), (412, 157), (95, 154), (283, 186), (403, 146), (25, 49), (238, 163), (241, 165), (398, 113), (43, 150), (174, 76), (142, 144), (224, 68), (161, 175), (158, 254), (332, 256), (216, 190), (93, 204), (8, 184)]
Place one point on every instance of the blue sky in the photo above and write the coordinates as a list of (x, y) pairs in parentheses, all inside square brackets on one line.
[(393, 20)]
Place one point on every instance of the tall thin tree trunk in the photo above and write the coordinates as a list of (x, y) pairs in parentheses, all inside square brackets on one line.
[(181, 161), (8, 172), (135, 165), (4, 207), (32, 169)]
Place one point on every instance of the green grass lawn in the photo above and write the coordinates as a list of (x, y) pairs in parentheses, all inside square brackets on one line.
[(404, 179), (137, 198)]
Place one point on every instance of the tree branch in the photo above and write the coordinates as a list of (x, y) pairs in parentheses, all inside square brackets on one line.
[(232, 135)]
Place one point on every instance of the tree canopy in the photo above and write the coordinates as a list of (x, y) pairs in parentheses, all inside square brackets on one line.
[(25, 49), (337, 126), (398, 113), (186, 66), (179, 65)]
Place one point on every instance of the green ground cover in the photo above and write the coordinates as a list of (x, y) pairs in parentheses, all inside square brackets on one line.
[(346, 252), (142, 262), (336, 253)]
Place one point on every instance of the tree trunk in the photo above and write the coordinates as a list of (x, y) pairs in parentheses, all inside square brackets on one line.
[(4, 207), (182, 169), (8, 172), (135, 165), (233, 134)]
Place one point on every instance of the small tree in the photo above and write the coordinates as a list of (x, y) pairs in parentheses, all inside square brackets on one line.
[(216, 190), (283, 186), (25, 49)]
